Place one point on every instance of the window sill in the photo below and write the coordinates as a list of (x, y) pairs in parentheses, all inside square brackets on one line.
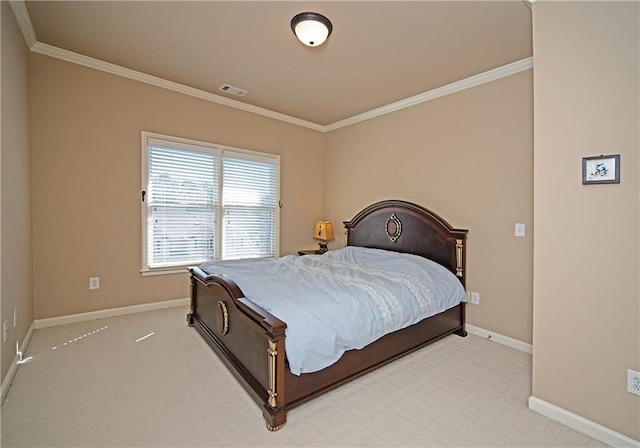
[(167, 271)]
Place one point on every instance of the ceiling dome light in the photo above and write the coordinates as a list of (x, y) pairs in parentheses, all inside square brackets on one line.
[(311, 28)]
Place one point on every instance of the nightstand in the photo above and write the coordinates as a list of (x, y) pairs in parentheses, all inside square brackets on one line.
[(309, 252)]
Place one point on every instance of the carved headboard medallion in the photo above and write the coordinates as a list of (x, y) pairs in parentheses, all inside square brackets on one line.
[(393, 227)]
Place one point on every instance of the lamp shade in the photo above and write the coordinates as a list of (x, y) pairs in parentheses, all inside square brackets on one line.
[(323, 231), (311, 28)]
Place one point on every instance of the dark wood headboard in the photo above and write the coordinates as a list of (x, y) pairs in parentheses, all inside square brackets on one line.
[(405, 227)]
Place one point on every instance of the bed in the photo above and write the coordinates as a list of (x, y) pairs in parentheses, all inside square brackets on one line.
[(251, 341)]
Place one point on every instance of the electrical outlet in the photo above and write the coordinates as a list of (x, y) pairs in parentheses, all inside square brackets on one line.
[(633, 381), (5, 330), (473, 297), (15, 317), (94, 283)]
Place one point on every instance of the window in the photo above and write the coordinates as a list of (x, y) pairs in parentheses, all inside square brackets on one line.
[(206, 202)]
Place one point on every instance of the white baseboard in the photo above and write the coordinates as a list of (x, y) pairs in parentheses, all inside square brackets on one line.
[(573, 421), (101, 314), (499, 338), (54, 321), (8, 379), (581, 424)]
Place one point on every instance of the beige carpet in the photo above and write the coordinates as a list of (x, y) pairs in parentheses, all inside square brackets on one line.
[(149, 380)]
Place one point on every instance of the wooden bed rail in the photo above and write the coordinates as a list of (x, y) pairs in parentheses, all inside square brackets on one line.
[(236, 329)]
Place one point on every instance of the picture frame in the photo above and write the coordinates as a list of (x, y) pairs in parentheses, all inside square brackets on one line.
[(601, 169)]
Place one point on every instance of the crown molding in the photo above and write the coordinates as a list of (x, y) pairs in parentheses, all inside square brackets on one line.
[(19, 8), (24, 21), (70, 56), (467, 83)]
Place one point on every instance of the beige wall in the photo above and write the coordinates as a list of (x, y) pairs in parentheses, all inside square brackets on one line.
[(15, 243), (467, 157), (86, 160), (586, 271)]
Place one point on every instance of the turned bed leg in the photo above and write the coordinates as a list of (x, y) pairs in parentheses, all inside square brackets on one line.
[(274, 410), (274, 419), (190, 317), (463, 318), (192, 301)]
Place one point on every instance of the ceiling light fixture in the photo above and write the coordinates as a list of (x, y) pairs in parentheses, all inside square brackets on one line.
[(311, 28)]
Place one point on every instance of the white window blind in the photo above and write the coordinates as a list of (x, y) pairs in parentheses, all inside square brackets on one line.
[(250, 202), (206, 203)]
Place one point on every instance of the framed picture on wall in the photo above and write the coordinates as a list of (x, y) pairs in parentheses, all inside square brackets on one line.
[(601, 169)]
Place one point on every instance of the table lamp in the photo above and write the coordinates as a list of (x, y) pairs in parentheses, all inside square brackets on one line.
[(324, 232)]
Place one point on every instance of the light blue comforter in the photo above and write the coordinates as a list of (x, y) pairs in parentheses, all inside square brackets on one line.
[(342, 300)]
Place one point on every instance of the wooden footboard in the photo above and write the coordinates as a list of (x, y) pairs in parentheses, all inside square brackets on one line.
[(249, 340)]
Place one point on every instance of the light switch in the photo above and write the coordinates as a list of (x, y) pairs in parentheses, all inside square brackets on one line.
[(519, 229)]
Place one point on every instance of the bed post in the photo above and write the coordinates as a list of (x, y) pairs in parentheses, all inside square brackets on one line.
[(459, 259), (192, 302), (460, 272), (274, 410)]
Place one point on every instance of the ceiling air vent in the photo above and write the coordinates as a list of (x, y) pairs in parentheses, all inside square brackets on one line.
[(233, 90)]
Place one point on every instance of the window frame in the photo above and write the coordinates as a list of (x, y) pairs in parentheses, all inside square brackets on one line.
[(213, 149)]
